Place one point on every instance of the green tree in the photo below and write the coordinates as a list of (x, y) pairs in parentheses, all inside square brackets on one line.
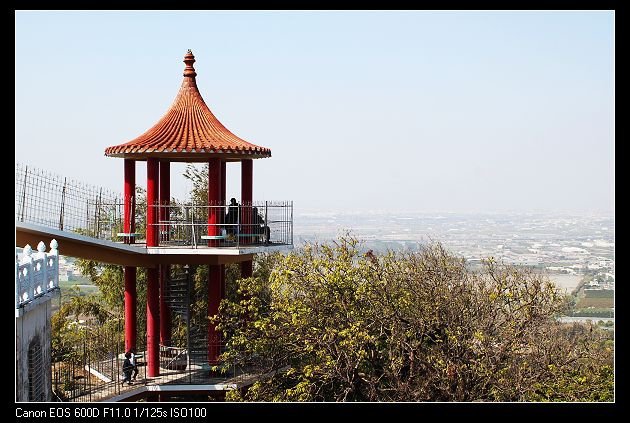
[(334, 324)]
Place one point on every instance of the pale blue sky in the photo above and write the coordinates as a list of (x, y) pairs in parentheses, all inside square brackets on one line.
[(424, 111)]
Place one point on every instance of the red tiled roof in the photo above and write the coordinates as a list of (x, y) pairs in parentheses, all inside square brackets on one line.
[(188, 131)]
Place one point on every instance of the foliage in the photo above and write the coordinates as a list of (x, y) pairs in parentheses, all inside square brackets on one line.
[(333, 324)]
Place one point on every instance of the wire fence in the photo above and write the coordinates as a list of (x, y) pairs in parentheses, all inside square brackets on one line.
[(57, 202)]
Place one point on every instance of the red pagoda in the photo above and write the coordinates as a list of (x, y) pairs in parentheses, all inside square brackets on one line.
[(189, 132)]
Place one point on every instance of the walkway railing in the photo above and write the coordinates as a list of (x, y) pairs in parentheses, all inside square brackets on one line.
[(261, 223), (60, 203), (64, 204)]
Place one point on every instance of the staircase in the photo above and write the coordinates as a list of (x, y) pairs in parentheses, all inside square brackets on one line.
[(177, 297)]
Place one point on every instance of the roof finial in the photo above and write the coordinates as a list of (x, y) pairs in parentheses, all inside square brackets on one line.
[(189, 59)]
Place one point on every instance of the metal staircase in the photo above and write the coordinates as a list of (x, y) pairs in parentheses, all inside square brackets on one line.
[(178, 297)]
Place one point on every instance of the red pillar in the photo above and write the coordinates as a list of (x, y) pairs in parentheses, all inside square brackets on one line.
[(247, 185), (247, 170), (164, 270), (130, 307), (223, 180), (129, 213), (129, 226), (215, 213), (152, 201), (165, 195), (215, 282), (153, 284), (153, 323)]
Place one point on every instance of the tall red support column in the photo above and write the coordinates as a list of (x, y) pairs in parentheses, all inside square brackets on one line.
[(164, 271), (165, 194), (247, 189), (223, 190), (153, 322), (152, 200), (215, 213), (247, 170), (215, 217), (153, 284), (129, 213), (215, 285), (223, 180), (129, 226)]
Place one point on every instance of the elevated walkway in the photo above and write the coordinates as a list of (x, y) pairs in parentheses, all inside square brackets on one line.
[(81, 246)]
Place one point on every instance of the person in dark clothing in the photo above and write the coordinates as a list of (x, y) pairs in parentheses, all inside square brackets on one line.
[(127, 368), (231, 218), (134, 363), (260, 226)]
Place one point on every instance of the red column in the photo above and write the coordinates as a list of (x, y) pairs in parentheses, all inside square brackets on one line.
[(152, 201), (223, 179), (165, 197), (164, 271), (215, 214), (215, 282), (153, 284), (153, 323), (247, 184), (129, 213), (129, 226), (223, 182), (130, 307)]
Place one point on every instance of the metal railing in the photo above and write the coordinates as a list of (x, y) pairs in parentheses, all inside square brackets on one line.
[(91, 369), (262, 223), (57, 202)]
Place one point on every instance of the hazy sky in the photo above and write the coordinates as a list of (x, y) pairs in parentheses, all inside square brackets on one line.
[(425, 111)]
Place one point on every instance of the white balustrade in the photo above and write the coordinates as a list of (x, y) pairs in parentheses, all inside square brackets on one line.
[(37, 273)]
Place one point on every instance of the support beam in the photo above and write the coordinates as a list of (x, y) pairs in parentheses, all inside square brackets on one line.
[(130, 308), (215, 281), (152, 201), (153, 323), (215, 211), (129, 212)]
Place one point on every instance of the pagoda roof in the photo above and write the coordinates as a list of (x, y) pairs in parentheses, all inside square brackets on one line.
[(188, 131)]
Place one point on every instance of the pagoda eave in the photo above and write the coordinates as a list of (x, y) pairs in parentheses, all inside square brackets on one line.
[(189, 157)]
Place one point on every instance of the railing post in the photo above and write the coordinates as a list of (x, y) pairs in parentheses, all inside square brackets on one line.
[(24, 194), (63, 201), (98, 208)]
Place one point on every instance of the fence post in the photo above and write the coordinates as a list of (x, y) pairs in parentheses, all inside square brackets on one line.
[(266, 226), (24, 194), (98, 214), (63, 201)]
